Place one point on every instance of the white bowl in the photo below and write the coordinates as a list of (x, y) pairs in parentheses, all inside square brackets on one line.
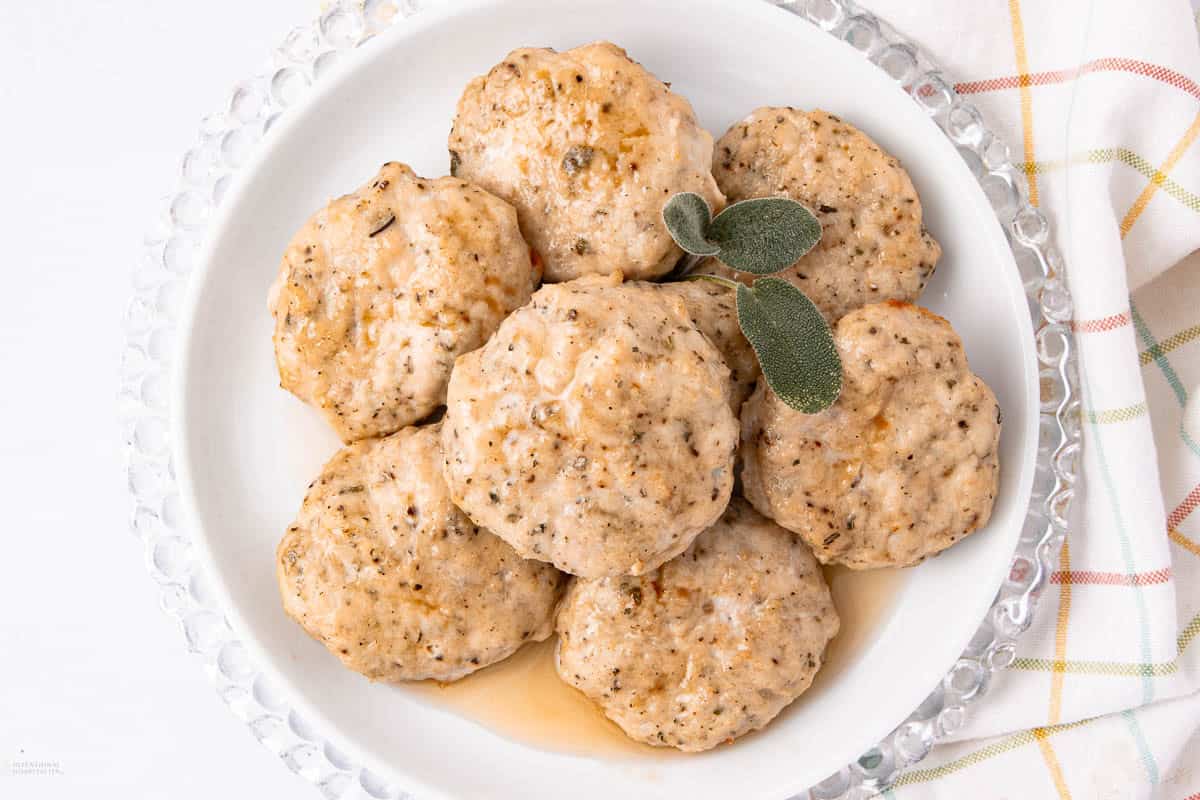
[(246, 449)]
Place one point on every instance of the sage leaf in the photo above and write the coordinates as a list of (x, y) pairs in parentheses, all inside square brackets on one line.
[(764, 235), (793, 343), (687, 217)]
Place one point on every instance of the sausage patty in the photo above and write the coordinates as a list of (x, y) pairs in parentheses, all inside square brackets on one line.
[(903, 465), (383, 288), (874, 246), (588, 146), (382, 569), (710, 646), (713, 309), (594, 429)]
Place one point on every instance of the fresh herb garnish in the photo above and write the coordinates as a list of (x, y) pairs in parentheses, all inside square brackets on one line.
[(791, 339), (687, 216), (793, 343), (759, 236)]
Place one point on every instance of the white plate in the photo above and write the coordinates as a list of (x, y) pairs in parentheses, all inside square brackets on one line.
[(246, 450)]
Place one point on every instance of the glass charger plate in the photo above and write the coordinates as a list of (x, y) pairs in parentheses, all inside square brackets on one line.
[(229, 138)]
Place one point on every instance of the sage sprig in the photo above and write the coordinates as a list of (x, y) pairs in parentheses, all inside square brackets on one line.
[(759, 236), (792, 341)]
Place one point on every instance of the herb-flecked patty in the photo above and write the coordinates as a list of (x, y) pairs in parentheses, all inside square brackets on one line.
[(903, 465), (594, 429), (382, 569), (588, 146), (713, 309), (874, 246), (710, 646), (382, 289)]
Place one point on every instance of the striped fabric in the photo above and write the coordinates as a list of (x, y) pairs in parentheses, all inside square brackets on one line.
[(1100, 100)]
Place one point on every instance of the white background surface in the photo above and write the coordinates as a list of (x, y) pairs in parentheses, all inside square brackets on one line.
[(98, 100)]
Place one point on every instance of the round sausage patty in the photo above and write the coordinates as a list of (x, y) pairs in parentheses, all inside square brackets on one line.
[(709, 647), (383, 288), (874, 246), (713, 309), (588, 146), (594, 429), (903, 465), (382, 569)]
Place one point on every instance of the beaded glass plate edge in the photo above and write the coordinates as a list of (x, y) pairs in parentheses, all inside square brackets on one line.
[(226, 140)]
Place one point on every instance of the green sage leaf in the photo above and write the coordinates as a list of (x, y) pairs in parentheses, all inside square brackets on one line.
[(687, 217), (764, 235), (793, 343)]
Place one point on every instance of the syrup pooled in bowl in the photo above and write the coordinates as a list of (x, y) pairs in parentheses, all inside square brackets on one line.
[(523, 699)]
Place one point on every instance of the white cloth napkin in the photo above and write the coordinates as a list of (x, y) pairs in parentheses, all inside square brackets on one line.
[(1101, 102)]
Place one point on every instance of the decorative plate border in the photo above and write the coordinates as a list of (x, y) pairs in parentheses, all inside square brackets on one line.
[(226, 140)]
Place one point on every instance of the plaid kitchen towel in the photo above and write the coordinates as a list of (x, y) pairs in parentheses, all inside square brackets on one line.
[(1100, 101)]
